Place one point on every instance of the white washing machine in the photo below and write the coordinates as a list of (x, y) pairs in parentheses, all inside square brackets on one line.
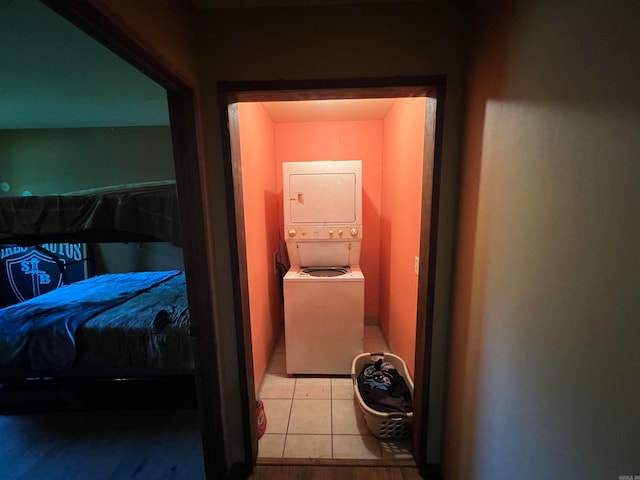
[(324, 319), (324, 288)]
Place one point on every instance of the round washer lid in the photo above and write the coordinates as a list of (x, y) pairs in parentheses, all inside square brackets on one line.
[(325, 272)]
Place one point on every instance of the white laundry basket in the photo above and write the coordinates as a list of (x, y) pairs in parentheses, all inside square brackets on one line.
[(383, 424)]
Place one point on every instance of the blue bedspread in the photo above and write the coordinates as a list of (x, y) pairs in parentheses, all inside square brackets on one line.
[(39, 333)]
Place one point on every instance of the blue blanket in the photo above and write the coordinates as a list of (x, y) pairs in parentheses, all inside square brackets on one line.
[(39, 333)]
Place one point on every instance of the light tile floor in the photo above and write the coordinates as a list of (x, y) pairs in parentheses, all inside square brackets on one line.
[(318, 417)]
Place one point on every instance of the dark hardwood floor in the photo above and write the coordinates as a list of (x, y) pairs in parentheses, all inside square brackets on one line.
[(326, 472), (104, 445), (100, 430), (147, 431)]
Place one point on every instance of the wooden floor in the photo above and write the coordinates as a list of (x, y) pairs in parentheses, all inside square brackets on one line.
[(159, 444), (140, 443), (107, 430), (301, 472)]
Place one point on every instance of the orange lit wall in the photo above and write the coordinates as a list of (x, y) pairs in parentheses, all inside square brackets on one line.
[(262, 227), (391, 151), (356, 140), (402, 151)]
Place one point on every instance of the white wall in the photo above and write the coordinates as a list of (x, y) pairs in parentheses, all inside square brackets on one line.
[(545, 360)]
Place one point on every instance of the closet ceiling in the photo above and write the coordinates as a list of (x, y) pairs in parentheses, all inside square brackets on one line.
[(56, 76), (329, 110)]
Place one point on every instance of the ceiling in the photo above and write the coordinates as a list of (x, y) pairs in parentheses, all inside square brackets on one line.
[(56, 76), (328, 110), (279, 3)]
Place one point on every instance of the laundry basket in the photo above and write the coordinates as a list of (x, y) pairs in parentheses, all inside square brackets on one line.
[(383, 424)]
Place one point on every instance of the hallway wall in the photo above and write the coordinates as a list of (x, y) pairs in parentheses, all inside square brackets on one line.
[(545, 358), (50, 161)]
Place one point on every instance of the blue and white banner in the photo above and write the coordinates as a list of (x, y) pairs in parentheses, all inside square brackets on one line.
[(26, 272)]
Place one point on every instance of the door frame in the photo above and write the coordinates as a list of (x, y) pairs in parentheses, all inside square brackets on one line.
[(99, 24), (432, 87)]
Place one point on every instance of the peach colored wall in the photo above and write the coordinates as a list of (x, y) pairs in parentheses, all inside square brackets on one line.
[(262, 227), (357, 140), (402, 158)]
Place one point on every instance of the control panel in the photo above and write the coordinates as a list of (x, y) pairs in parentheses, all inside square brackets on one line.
[(323, 232)]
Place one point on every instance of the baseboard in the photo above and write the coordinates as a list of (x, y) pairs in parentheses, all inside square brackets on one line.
[(240, 470), (431, 471), (371, 321)]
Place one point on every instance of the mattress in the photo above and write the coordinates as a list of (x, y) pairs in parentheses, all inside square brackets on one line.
[(113, 323), (148, 333)]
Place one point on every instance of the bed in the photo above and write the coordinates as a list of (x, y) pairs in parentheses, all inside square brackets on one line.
[(123, 324), (139, 212), (112, 325)]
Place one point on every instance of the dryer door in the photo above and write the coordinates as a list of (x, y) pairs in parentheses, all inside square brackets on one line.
[(319, 198)]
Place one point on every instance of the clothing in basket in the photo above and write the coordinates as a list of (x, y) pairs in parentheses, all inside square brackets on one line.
[(383, 389)]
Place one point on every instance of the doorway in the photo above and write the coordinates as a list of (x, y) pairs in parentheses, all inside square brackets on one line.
[(189, 169), (431, 90)]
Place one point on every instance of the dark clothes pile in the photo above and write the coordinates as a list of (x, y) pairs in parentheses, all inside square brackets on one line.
[(383, 388)]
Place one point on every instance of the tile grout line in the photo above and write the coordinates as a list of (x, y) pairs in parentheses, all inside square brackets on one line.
[(332, 432), (293, 393), (331, 413)]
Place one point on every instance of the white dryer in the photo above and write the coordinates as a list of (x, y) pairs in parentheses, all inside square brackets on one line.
[(324, 288)]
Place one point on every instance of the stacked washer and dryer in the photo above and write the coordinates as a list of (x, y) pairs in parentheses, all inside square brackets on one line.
[(324, 287)]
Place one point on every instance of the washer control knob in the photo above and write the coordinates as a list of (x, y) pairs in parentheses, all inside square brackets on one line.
[(292, 232), (354, 232), (330, 232), (340, 232)]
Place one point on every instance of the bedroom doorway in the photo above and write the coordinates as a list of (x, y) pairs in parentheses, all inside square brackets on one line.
[(232, 95)]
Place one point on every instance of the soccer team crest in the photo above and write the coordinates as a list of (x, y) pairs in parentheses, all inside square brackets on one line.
[(27, 272)]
